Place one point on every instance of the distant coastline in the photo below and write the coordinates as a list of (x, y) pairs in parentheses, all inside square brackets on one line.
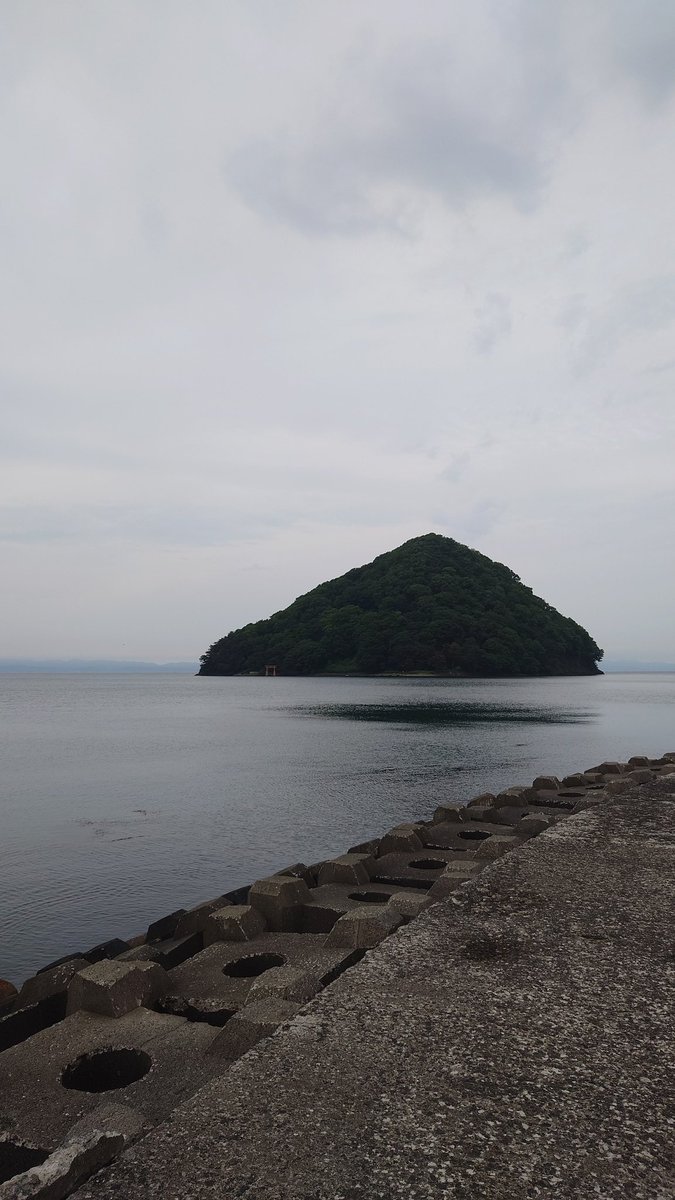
[(35, 666), (620, 666), (107, 666)]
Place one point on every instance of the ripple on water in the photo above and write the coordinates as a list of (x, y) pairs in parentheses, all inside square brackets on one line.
[(125, 797)]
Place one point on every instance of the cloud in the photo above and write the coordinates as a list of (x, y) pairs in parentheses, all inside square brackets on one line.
[(284, 285), (572, 312), (642, 39), (646, 306), (455, 468), (420, 121), (480, 105), (493, 322)]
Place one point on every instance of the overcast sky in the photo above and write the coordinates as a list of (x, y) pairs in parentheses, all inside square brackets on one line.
[(284, 283)]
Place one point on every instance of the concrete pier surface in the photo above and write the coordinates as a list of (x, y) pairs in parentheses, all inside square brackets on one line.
[(515, 1040)]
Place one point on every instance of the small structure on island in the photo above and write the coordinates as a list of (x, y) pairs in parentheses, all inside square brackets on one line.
[(270, 670)]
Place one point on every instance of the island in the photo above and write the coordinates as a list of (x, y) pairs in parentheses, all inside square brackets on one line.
[(431, 607)]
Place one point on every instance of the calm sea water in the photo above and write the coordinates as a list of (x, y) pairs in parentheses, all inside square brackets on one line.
[(124, 797)]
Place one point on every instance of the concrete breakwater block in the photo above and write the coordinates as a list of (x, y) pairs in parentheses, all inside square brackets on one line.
[(50, 983), (109, 949), (301, 871), (418, 869), (494, 847), (56, 1177), (449, 813), (364, 927), (115, 988), (532, 824), (167, 954), (328, 903), (285, 983), (408, 904), (546, 783), (279, 900), (465, 837), (225, 972), (17, 1027), (454, 875), (369, 847), (256, 1021), (507, 814), (165, 927), (40, 1003), (348, 868), (8, 996), (17, 1157), (478, 813), (149, 1060), (482, 800), (401, 837), (641, 775), (237, 923), (512, 797), (195, 919), (576, 780), (564, 799)]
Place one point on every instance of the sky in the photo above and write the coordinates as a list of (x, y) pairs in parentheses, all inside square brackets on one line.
[(286, 283)]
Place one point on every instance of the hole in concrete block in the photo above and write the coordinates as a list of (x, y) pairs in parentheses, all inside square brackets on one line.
[(440, 846), (474, 835), (252, 965), (429, 864), (16, 1158), (106, 1070), (370, 897), (406, 881), (178, 1006)]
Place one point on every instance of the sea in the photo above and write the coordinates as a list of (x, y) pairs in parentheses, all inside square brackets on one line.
[(124, 797)]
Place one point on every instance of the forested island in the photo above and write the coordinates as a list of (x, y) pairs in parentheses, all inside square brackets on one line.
[(433, 606)]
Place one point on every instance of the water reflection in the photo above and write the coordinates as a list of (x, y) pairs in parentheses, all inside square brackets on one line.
[(446, 713)]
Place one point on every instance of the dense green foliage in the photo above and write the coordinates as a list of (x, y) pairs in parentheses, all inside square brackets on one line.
[(432, 605)]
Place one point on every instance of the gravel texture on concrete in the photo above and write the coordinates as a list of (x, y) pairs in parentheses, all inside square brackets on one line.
[(37, 1108), (517, 1040)]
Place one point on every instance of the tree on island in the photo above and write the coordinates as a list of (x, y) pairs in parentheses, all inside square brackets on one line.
[(433, 606)]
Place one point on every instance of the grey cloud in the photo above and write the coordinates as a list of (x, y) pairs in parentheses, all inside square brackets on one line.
[(648, 305), (421, 124), (572, 313), (493, 322), (663, 368), (642, 37), (576, 243), (416, 121), (315, 190), (455, 469), (103, 524), (477, 520), (189, 387)]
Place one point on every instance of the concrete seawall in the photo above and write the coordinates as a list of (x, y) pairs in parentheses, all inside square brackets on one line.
[(511, 1035)]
